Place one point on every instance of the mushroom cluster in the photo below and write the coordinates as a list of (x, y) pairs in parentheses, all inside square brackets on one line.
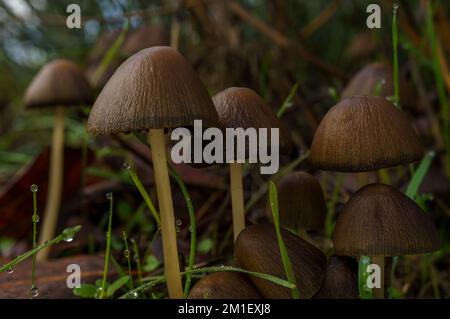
[(365, 133)]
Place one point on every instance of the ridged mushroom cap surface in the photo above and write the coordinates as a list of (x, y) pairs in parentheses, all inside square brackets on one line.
[(153, 89), (59, 83), (301, 203), (363, 133), (379, 220), (256, 249), (224, 285), (240, 107), (341, 280)]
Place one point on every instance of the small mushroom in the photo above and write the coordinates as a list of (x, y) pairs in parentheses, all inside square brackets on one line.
[(301, 202), (59, 84), (341, 279), (224, 285), (240, 107), (380, 221), (378, 77), (363, 133), (155, 89), (256, 249)]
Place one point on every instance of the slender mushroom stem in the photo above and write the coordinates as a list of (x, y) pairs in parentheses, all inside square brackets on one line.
[(168, 231), (237, 198), (378, 293), (54, 185)]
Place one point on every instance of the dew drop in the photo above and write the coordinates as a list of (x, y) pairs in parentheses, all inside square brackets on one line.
[(99, 294), (177, 229), (34, 292), (178, 222), (126, 253), (190, 229), (133, 294), (109, 195), (34, 188), (126, 166), (10, 270), (35, 218), (68, 236)]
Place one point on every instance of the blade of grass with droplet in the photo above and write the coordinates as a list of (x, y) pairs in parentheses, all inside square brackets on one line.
[(273, 196), (288, 101), (419, 175), (364, 291)]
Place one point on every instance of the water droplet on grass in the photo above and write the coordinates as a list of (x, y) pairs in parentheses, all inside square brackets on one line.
[(35, 218), (133, 294), (178, 222), (126, 253), (34, 188), (10, 270), (99, 294), (109, 195), (126, 165), (34, 292)]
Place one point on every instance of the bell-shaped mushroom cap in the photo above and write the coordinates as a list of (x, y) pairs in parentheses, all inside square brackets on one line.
[(240, 107), (154, 88), (363, 133), (256, 249), (379, 220), (341, 279), (301, 203), (58, 83), (374, 75), (224, 285)]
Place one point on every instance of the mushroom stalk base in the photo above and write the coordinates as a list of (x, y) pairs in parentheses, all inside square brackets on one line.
[(378, 293), (168, 230), (237, 198), (55, 184)]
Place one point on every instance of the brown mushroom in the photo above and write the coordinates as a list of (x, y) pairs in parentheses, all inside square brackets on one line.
[(256, 249), (155, 89), (243, 108), (363, 133), (301, 202), (377, 79), (59, 84), (380, 221), (341, 279), (224, 285)]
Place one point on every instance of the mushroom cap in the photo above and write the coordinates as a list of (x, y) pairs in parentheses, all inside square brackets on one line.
[(224, 285), (240, 107), (154, 88), (363, 133), (341, 279), (368, 78), (59, 83), (256, 249), (301, 203), (379, 220)]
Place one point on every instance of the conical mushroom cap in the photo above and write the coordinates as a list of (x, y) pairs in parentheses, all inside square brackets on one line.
[(58, 83), (224, 285), (341, 279), (256, 249), (366, 81), (379, 220), (363, 133), (154, 88), (301, 203), (242, 107)]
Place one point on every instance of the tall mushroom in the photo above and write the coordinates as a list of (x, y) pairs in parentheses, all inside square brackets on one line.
[(363, 133), (58, 85), (155, 89), (224, 285), (256, 249), (380, 221), (301, 203), (240, 107)]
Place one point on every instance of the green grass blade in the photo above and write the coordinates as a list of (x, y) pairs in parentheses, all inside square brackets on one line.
[(288, 101), (419, 175), (273, 196)]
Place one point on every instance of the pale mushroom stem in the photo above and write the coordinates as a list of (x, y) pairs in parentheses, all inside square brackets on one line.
[(168, 230), (237, 198), (378, 293), (55, 184)]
